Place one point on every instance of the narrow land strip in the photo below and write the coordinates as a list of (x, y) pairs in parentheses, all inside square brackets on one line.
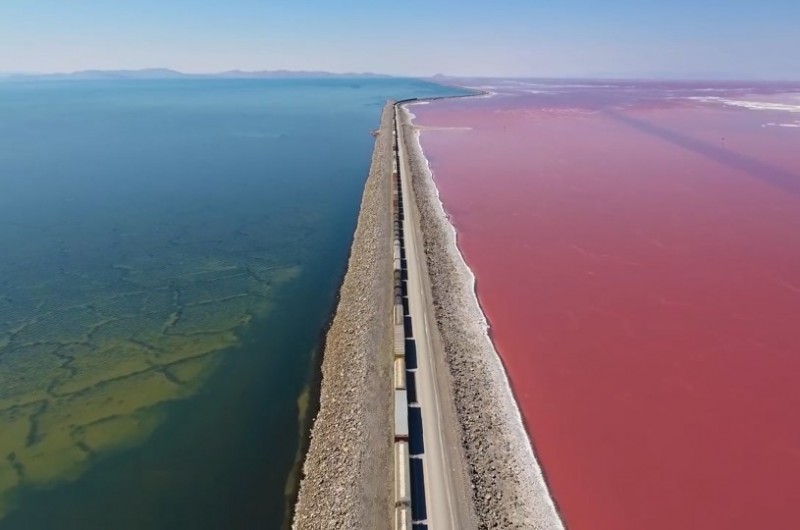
[(447, 491), (479, 468)]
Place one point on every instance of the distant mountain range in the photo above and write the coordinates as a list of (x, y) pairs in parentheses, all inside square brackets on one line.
[(165, 73)]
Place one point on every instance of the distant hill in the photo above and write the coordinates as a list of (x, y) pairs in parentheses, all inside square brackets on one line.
[(165, 73), (294, 73)]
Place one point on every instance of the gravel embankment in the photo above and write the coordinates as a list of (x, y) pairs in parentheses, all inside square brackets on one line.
[(347, 472), (508, 488)]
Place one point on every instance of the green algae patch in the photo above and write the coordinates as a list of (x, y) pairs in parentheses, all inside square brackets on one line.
[(194, 369), (88, 378), (118, 432)]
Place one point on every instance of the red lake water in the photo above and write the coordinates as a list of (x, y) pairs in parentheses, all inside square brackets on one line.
[(637, 254)]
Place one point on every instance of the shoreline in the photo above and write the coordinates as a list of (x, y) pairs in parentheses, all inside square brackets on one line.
[(509, 488), (344, 481), (308, 403)]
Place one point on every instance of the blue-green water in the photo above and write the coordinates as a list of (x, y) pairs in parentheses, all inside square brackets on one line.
[(169, 255)]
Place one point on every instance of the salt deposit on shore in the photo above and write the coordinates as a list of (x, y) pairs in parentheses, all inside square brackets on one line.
[(347, 479), (509, 490)]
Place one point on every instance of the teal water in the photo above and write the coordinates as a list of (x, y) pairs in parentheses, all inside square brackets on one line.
[(169, 256)]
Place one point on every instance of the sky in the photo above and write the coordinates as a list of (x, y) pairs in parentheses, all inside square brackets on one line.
[(747, 39)]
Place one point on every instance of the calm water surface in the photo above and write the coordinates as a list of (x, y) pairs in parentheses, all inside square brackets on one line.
[(636, 252), (169, 254)]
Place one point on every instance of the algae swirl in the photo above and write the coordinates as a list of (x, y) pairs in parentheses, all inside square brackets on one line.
[(82, 380)]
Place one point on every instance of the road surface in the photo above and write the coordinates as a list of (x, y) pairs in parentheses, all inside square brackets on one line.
[(444, 484)]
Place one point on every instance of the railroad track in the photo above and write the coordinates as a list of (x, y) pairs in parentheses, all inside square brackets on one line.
[(425, 493)]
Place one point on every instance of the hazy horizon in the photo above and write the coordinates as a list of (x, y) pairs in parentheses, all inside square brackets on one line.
[(679, 39), (600, 76)]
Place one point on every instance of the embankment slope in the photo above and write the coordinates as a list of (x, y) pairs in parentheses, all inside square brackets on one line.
[(507, 483), (347, 470)]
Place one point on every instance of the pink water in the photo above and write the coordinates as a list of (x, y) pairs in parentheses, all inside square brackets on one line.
[(637, 253)]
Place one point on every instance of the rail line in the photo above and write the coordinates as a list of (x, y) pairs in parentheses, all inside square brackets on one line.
[(424, 490)]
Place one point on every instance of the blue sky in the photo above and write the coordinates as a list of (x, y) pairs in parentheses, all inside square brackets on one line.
[(741, 38)]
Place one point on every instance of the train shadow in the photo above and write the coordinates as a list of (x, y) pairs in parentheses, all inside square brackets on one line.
[(411, 354), (767, 173), (419, 511)]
